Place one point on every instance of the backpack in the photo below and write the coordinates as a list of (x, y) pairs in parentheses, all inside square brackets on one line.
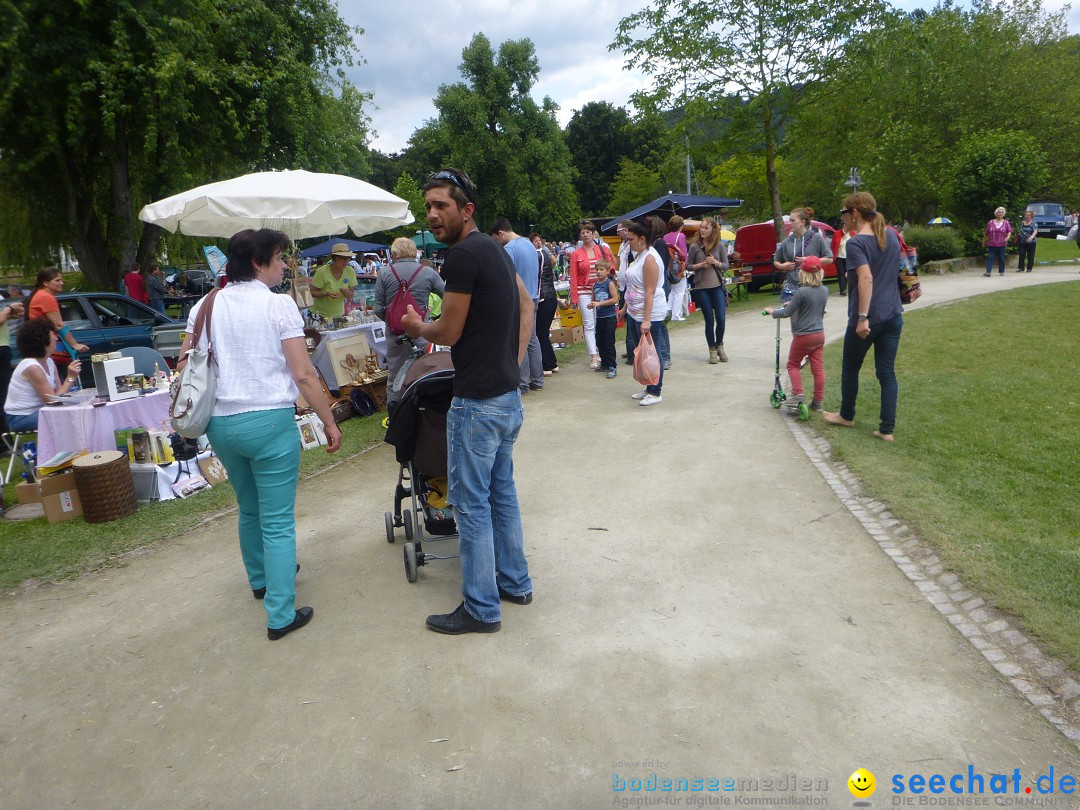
[(403, 299), (676, 269)]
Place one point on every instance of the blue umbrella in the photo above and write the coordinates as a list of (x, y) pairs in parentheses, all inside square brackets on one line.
[(940, 221)]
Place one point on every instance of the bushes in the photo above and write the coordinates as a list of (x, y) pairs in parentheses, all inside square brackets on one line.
[(934, 243)]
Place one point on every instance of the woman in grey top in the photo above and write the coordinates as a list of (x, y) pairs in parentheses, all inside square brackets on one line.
[(402, 261), (707, 258), (804, 240), (875, 314)]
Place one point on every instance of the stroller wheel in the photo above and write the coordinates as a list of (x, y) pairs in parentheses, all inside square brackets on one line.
[(804, 412), (389, 527), (406, 516), (776, 398), (410, 562)]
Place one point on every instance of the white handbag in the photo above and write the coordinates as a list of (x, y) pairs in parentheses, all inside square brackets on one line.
[(195, 389)]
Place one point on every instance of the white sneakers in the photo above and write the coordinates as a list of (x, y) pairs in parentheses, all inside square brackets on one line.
[(645, 398)]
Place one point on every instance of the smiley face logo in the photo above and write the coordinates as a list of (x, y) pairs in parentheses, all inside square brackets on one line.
[(862, 784)]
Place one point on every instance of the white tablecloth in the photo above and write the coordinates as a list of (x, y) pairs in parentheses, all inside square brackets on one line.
[(84, 427), (375, 333)]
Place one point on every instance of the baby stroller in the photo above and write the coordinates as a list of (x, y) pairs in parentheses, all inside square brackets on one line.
[(417, 430)]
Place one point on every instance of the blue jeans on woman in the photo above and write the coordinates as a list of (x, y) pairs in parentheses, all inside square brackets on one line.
[(480, 436), (261, 453), (633, 337), (999, 254), (25, 423), (885, 338), (713, 304)]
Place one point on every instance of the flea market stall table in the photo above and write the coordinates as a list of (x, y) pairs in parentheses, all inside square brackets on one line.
[(328, 357), (82, 426)]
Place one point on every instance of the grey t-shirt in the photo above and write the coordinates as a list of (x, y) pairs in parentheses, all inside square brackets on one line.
[(806, 310), (885, 269)]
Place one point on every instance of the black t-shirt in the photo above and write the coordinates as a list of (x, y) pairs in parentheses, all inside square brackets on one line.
[(485, 356)]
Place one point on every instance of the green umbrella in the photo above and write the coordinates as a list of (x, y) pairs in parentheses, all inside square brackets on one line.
[(427, 243)]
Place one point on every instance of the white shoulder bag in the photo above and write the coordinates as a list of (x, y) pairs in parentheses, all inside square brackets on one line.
[(194, 391)]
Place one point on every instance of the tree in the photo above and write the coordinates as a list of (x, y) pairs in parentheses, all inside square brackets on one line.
[(633, 186), (773, 55), (111, 104), (948, 73), (743, 177), (995, 169), (490, 127), (598, 136), (408, 190)]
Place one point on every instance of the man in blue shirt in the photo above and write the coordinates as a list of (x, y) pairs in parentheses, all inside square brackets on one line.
[(526, 261)]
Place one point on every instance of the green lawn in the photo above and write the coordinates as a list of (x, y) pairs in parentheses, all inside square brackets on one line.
[(987, 452)]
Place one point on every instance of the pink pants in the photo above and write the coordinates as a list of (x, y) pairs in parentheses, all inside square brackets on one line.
[(811, 346)]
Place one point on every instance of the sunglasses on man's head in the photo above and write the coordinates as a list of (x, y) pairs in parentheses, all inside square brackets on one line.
[(454, 178)]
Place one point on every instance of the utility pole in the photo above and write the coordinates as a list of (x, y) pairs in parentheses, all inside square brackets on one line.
[(854, 179)]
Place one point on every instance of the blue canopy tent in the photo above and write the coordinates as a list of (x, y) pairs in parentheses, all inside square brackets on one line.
[(324, 248), (685, 205)]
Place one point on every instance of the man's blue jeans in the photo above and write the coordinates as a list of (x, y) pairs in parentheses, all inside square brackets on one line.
[(885, 338), (480, 436), (261, 453)]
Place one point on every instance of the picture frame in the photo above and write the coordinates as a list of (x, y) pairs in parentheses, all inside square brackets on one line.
[(355, 347)]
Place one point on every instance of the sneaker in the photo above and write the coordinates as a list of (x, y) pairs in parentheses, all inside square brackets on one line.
[(794, 401), (548, 373), (815, 405), (611, 373), (640, 394), (667, 365), (536, 386), (986, 275), (651, 399)]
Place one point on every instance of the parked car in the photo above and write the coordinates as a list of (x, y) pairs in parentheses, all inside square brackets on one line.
[(756, 245), (108, 322), (199, 280), (1050, 218)]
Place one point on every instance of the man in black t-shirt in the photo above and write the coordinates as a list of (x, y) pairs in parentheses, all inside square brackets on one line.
[(487, 320)]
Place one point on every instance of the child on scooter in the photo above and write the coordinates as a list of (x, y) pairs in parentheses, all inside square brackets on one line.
[(806, 309)]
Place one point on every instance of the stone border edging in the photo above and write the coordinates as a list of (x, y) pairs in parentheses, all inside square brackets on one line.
[(1047, 684)]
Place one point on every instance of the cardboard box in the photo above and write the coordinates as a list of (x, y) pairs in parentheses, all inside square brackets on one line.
[(569, 318), (567, 335), (59, 497), (28, 492)]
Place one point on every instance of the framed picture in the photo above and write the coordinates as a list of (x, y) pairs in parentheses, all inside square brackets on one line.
[(347, 356), (308, 437), (378, 333)]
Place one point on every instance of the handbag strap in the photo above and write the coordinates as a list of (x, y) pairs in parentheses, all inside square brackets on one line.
[(202, 322)]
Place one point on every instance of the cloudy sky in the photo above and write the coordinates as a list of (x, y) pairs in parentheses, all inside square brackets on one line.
[(413, 46)]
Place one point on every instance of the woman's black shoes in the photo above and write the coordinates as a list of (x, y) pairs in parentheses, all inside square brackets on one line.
[(259, 593), (303, 616)]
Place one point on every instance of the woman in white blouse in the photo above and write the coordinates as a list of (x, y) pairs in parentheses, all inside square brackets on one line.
[(262, 360)]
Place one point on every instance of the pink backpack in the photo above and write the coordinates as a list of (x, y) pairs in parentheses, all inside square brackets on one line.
[(403, 299)]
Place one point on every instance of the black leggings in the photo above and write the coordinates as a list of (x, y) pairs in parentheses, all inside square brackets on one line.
[(1027, 250)]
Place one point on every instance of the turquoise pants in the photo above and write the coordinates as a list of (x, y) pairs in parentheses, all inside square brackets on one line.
[(261, 452)]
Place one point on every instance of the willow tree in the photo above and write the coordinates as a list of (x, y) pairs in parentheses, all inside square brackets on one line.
[(754, 60)]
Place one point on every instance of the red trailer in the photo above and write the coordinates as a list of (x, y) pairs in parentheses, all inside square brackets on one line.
[(755, 245)]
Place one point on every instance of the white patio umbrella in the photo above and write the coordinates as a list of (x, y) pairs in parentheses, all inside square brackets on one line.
[(300, 203)]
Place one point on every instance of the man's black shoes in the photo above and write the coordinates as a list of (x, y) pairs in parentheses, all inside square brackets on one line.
[(459, 622), (524, 599)]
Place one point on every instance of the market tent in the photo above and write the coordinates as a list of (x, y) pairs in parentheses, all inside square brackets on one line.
[(324, 248), (427, 242), (685, 205)]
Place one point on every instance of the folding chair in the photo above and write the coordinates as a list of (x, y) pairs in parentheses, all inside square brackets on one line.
[(12, 440)]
